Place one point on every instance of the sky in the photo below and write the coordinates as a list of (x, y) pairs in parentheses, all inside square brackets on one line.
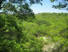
[(46, 7)]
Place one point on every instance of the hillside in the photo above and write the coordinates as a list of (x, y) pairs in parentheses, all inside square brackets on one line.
[(47, 32), (50, 26)]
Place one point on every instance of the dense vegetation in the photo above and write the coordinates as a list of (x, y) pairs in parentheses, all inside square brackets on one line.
[(22, 31), (46, 32), (55, 26)]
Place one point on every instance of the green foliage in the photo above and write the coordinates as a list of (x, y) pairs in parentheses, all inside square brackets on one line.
[(19, 35), (21, 11), (20, 31), (14, 36), (57, 28), (52, 0), (60, 5)]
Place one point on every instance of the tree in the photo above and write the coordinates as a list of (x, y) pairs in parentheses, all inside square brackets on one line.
[(20, 1), (17, 7), (12, 36), (21, 11), (61, 4), (1, 3)]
